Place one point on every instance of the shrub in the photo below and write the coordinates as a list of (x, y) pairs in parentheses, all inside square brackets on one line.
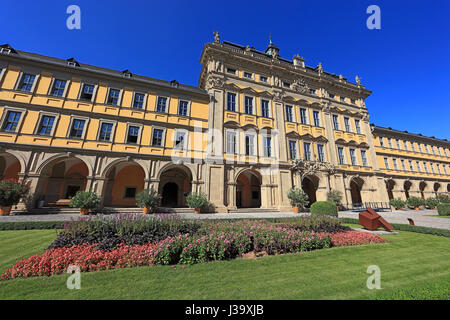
[(335, 196), (443, 209), (197, 200), (431, 202), (298, 197), (85, 200), (148, 198), (29, 225), (398, 203), (442, 198), (11, 192), (324, 207), (414, 202)]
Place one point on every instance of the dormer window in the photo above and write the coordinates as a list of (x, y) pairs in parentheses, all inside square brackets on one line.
[(231, 70), (174, 83), (72, 63), (126, 73), (263, 79), (312, 91), (5, 50)]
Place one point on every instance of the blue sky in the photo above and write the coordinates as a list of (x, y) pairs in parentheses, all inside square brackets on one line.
[(406, 64)]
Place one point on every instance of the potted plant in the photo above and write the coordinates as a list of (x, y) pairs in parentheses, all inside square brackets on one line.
[(397, 203), (85, 200), (335, 196), (298, 198), (197, 201), (414, 202), (431, 203), (11, 192), (148, 200)]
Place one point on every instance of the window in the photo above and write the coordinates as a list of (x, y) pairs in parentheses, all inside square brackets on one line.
[(403, 164), (303, 117), (342, 99), (289, 114), (432, 150), (133, 134), (267, 146), (11, 121), (265, 108), (352, 101), (26, 84), (249, 145), (357, 126), (183, 108), (263, 79), (248, 75), (381, 141), (389, 142), (130, 192), (425, 167), (105, 132), (406, 145), (386, 163), (413, 147), (420, 147), (341, 155), (46, 125), (364, 158), (157, 137), (307, 151), (335, 122), (439, 168), (87, 93), (394, 161), (411, 168), (418, 166), (312, 91), (398, 143), (347, 124), (58, 88), (432, 167), (248, 105), (292, 149), (316, 117), (231, 70), (231, 101), (138, 102), (286, 84), (445, 169), (113, 97), (331, 95), (231, 142), (77, 128), (353, 157), (320, 153), (180, 140), (161, 104)]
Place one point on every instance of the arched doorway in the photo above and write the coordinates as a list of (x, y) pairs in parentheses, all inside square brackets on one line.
[(9, 167), (407, 187), (355, 190), (248, 190), (422, 187), (309, 185), (390, 187), (174, 185)]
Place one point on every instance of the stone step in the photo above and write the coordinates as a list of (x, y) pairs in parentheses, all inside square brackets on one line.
[(252, 210)]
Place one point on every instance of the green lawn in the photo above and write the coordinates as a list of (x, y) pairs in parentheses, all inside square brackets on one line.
[(413, 266), (448, 217)]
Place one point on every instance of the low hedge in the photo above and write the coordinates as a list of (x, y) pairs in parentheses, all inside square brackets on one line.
[(325, 208), (443, 209), (31, 225)]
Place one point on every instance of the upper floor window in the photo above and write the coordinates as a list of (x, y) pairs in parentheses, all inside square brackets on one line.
[(425, 167), (231, 142), (413, 147), (157, 137), (263, 78), (403, 164), (26, 84), (292, 149), (265, 108), (105, 131), (439, 168), (46, 125), (312, 91), (398, 143), (267, 146), (180, 140), (386, 163), (87, 92), (58, 88), (445, 169), (113, 97), (248, 106), (394, 161), (289, 114), (307, 151), (231, 70), (411, 168), (316, 117), (320, 153), (364, 158), (357, 126), (286, 84), (420, 147), (231, 101), (389, 142), (249, 145), (331, 95), (406, 145), (138, 102), (335, 122), (341, 155), (161, 104), (11, 121), (248, 75), (347, 124), (133, 134), (77, 128), (418, 166), (342, 99), (353, 157), (381, 141), (352, 101), (183, 108), (303, 117)]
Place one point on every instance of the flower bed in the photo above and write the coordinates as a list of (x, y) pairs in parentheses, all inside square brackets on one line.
[(353, 238)]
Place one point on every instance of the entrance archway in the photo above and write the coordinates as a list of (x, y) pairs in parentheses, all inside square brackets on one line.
[(248, 190), (390, 187), (169, 195), (9, 167), (174, 185), (355, 190), (309, 186), (437, 186), (422, 187), (407, 186)]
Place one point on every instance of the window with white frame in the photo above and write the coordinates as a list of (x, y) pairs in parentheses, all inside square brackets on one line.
[(398, 143), (106, 131), (113, 97), (59, 87), (231, 70), (265, 109), (250, 145), (347, 124), (183, 108), (161, 104), (267, 146), (307, 151), (403, 164), (133, 134), (411, 167), (87, 92), (292, 149), (353, 157), (77, 128), (303, 116), (425, 166), (320, 153), (263, 78), (381, 141), (248, 75), (139, 100), (394, 161), (27, 82), (248, 105), (157, 137), (335, 122), (316, 117), (289, 113), (180, 140), (364, 158), (231, 101), (386, 163), (439, 168), (357, 126), (389, 142), (46, 123), (418, 166), (231, 142), (11, 121), (341, 155)]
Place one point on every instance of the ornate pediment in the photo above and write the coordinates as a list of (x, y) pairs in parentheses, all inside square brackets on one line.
[(231, 86), (249, 90)]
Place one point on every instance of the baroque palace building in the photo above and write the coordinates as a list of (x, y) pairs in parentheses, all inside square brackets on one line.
[(256, 126)]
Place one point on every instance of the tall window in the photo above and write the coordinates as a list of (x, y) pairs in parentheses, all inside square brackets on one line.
[(320, 153), (138, 102), (105, 132), (420, 147), (77, 128), (394, 161), (341, 155), (46, 125), (231, 142), (418, 166), (389, 142), (445, 169), (231, 101), (403, 164), (248, 108), (292, 149), (87, 92), (180, 140), (26, 84), (432, 167), (58, 88), (289, 114), (386, 163), (113, 97), (267, 141), (157, 137), (357, 126), (347, 124), (265, 108), (249, 145), (133, 134), (411, 168), (406, 145), (425, 167), (353, 157), (413, 147), (335, 122), (307, 151), (398, 143), (439, 168), (303, 118), (161, 104), (11, 121), (364, 158), (183, 108), (316, 117)]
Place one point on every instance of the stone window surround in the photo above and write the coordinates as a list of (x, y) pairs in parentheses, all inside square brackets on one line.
[(267, 78), (6, 109), (163, 138), (167, 96), (69, 129), (94, 93), (186, 138), (189, 101), (254, 111), (237, 141), (52, 84), (113, 130), (19, 81), (144, 104), (131, 124), (119, 100), (252, 75), (237, 104), (297, 153), (294, 113), (270, 106), (344, 160), (272, 145), (38, 123), (355, 156), (254, 134)]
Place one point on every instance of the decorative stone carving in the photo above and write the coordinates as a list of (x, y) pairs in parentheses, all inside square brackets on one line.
[(278, 96), (216, 37), (300, 86), (319, 68), (358, 80), (326, 106), (214, 82), (218, 65), (305, 168)]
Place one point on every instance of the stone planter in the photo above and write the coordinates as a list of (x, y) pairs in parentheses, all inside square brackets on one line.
[(416, 208), (145, 210), (197, 210), (4, 211), (296, 209), (84, 211)]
